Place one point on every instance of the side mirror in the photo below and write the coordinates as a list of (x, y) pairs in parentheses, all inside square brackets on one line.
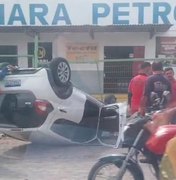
[(166, 93), (155, 100)]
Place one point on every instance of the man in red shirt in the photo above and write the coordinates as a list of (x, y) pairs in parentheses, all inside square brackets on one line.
[(136, 87), (169, 73)]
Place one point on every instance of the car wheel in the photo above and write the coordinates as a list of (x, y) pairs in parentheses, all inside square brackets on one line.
[(61, 71)]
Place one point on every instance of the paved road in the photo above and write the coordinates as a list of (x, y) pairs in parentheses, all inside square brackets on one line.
[(23, 161)]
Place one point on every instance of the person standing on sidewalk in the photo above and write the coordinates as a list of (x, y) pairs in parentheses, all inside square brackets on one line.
[(156, 83), (169, 73), (136, 87)]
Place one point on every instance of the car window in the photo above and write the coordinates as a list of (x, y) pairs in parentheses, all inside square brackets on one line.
[(17, 109)]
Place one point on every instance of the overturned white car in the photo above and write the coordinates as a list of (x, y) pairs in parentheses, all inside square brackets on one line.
[(42, 105)]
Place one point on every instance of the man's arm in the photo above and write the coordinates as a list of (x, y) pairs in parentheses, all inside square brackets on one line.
[(129, 98), (142, 108), (130, 92), (144, 103), (3, 72)]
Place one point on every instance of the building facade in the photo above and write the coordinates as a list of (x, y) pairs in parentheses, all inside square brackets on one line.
[(89, 30)]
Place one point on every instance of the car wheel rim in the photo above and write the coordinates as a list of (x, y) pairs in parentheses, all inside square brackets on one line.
[(63, 72)]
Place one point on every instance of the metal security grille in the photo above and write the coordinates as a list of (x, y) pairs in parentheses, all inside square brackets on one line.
[(109, 76), (117, 76)]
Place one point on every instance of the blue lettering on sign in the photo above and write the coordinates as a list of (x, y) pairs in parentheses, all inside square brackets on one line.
[(38, 11), (1, 14), (58, 15), (117, 13), (141, 7), (17, 15), (175, 13), (37, 14), (96, 11), (163, 14)]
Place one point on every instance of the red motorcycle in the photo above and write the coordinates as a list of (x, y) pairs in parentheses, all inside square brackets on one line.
[(138, 140)]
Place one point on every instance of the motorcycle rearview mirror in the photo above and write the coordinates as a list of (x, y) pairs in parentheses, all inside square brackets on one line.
[(165, 98), (166, 93)]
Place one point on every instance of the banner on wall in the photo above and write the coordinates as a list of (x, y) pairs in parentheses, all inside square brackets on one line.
[(166, 47), (82, 51)]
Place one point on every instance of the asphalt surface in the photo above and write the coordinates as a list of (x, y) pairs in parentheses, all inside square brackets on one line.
[(25, 161)]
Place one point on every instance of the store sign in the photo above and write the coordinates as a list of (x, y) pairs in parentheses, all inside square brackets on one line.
[(79, 12), (166, 46), (82, 51), (44, 52)]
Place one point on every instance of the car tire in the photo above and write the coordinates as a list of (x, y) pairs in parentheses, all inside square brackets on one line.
[(61, 71)]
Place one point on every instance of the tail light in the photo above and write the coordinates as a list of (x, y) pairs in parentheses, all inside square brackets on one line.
[(43, 107)]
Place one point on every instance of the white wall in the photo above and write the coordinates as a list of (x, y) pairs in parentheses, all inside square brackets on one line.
[(60, 40), (116, 39)]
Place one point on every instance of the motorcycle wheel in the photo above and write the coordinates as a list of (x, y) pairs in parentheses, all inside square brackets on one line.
[(109, 170)]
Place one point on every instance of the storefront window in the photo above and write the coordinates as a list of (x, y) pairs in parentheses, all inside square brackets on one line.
[(6, 51)]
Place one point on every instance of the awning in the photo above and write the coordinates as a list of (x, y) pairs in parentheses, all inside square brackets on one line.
[(151, 28), (84, 28)]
